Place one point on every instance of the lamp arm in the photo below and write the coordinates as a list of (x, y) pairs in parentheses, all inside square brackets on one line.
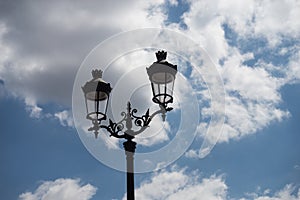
[(145, 120), (141, 121), (114, 128), (113, 132)]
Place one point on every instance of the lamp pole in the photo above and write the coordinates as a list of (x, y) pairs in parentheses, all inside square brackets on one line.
[(129, 147), (162, 76)]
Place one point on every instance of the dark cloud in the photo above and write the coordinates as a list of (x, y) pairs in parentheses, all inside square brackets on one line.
[(48, 45), (48, 40)]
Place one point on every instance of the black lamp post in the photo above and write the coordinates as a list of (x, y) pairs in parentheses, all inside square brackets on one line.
[(96, 92)]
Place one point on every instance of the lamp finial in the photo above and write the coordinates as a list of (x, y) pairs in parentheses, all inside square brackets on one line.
[(97, 73), (161, 55)]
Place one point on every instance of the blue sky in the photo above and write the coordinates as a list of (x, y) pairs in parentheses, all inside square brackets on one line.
[(254, 47)]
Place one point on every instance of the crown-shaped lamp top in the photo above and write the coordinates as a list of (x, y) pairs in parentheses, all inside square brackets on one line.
[(97, 73), (161, 55)]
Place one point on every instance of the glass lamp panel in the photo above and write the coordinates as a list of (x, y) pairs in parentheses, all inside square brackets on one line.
[(170, 87), (94, 95), (96, 109), (162, 77), (162, 89), (156, 89), (163, 92)]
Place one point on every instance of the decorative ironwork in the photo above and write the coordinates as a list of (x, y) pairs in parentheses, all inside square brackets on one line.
[(129, 117), (141, 121)]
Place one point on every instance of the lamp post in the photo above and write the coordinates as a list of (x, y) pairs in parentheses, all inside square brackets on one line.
[(96, 92)]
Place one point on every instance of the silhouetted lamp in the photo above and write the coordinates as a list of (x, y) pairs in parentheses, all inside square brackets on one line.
[(96, 93), (162, 76)]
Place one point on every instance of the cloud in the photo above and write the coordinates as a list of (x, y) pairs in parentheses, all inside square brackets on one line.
[(34, 110), (288, 192), (293, 69), (43, 44), (273, 20), (170, 184), (174, 183), (65, 118), (64, 189), (252, 98), (178, 184), (276, 20), (248, 46)]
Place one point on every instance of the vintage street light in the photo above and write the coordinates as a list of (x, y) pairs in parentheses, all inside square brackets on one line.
[(96, 93), (162, 76)]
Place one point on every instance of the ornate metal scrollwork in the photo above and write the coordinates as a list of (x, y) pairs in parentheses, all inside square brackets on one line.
[(141, 121), (129, 117), (114, 128)]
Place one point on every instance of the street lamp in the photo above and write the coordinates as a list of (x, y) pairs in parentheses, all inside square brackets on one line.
[(96, 93), (162, 77)]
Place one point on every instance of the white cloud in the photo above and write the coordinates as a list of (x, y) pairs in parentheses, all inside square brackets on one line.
[(288, 192), (65, 118), (63, 189), (253, 83), (177, 184), (252, 92), (173, 2), (34, 110), (271, 19), (293, 69), (166, 184), (277, 19), (192, 154), (252, 100), (204, 24)]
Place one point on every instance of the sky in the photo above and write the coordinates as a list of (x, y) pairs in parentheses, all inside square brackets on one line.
[(234, 130)]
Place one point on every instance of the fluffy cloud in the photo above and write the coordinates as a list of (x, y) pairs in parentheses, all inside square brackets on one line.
[(174, 184), (271, 19), (248, 46), (252, 100), (288, 192), (166, 184), (64, 189), (179, 184), (65, 118), (276, 19), (293, 70), (31, 107)]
